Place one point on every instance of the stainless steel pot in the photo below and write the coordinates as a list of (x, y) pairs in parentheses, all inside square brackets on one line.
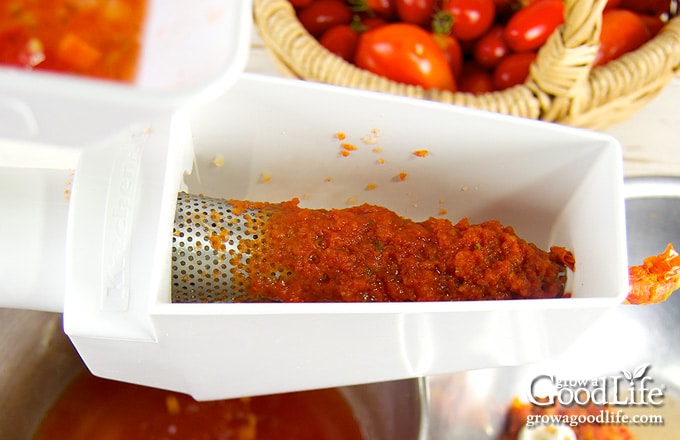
[(38, 362)]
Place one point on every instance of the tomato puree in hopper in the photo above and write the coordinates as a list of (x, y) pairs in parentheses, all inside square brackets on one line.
[(368, 253)]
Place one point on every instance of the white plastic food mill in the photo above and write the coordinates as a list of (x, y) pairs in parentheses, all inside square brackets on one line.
[(86, 228)]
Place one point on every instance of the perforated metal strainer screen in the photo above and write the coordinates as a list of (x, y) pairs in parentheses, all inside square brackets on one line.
[(208, 257)]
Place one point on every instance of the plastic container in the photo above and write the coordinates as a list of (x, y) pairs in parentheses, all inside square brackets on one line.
[(52, 123), (555, 185), (189, 51)]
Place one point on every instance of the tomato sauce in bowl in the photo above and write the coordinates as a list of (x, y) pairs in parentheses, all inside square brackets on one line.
[(85, 37), (95, 408)]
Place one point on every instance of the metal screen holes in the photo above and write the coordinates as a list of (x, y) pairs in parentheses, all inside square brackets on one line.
[(207, 263)]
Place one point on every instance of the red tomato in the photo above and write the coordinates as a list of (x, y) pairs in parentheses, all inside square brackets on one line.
[(452, 51), (611, 4), (531, 26), (322, 15), (622, 31), (405, 53), (384, 8), (418, 12), (475, 79), (366, 22), (300, 3), (471, 18), (512, 70), (341, 40), (653, 7), (491, 47), (653, 23)]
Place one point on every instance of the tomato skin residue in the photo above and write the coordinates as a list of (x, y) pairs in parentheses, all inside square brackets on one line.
[(368, 254), (655, 279), (98, 39)]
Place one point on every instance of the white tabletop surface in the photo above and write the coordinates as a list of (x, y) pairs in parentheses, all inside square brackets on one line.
[(649, 138)]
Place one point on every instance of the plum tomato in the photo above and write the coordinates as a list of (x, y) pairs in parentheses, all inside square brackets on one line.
[(300, 3), (386, 9), (418, 12), (366, 22), (491, 47), (452, 51), (529, 28), (653, 23), (622, 31), (475, 79), (405, 53), (512, 70), (321, 15), (341, 40), (471, 18), (651, 7)]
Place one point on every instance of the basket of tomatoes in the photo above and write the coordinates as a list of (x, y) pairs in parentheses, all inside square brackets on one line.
[(588, 63)]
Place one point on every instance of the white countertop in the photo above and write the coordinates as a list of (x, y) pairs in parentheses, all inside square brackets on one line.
[(650, 138)]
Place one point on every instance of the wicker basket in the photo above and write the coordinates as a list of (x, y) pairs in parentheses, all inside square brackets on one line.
[(562, 87)]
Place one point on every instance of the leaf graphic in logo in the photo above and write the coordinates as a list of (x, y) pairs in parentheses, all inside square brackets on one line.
[(637, 374), (627, 374), (640, 371)]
